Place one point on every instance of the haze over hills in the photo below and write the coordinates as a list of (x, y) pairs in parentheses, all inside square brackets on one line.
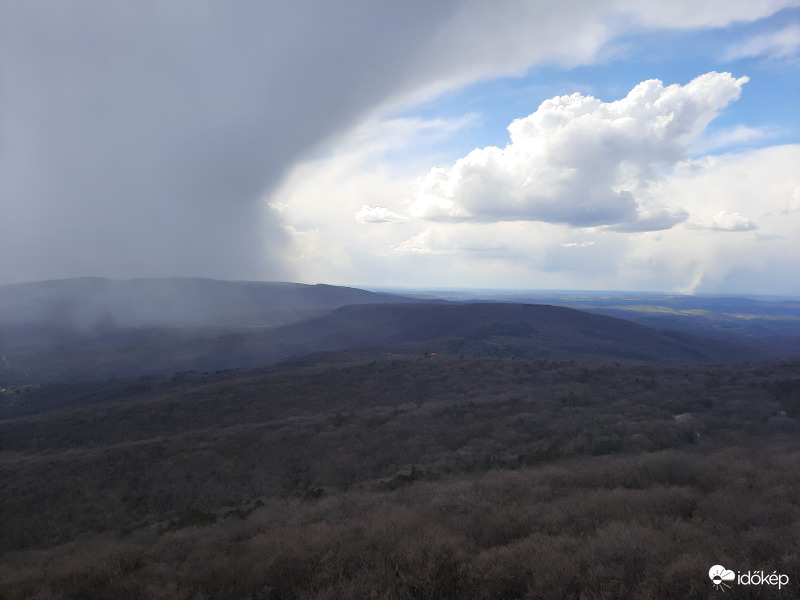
[(98, 302), (94, 328)]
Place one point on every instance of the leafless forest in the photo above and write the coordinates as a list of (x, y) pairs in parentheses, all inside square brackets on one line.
[(404, 477)]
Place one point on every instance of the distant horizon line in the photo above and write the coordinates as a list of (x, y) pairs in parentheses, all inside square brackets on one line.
[(445, 290)]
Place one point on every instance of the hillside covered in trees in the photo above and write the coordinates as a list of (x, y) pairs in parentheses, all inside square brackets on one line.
[(95, 329), (196, 439), (404, 477)]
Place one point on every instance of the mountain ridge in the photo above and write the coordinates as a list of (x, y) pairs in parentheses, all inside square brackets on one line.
[(506, 329), (69, 330)]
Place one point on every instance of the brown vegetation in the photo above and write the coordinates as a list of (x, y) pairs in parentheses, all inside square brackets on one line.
[(405, 478)]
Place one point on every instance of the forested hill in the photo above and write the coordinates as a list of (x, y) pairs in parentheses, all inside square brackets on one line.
[(498, 329), (82, 329)]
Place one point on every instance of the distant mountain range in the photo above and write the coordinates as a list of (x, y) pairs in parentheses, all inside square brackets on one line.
[(715, 316), (98, 328)]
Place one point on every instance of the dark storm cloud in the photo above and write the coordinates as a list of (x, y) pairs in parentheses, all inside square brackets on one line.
[(139, 137)]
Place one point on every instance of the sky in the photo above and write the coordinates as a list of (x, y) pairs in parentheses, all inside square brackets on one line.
[(581, 144)]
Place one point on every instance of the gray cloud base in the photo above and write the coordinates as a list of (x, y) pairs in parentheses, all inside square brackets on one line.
[(139, 138)]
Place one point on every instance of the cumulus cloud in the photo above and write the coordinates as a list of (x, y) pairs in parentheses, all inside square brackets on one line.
[(580, 161), (775, 44), (725, 194)]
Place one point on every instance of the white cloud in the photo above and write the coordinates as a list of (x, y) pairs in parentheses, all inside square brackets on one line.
[(579, 161), (378, 214), (720, 192), (724, 220), (422, 243), (459, 239), (775, 44), (716, 251), (708, 13)]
